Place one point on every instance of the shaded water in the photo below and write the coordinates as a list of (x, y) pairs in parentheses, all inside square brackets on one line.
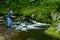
[(31, 35)]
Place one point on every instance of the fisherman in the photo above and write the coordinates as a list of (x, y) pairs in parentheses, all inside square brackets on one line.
[(9, 20), (9, 24)]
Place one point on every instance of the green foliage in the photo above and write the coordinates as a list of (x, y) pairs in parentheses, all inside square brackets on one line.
[(39, 13), (41, 9), (19, 4)]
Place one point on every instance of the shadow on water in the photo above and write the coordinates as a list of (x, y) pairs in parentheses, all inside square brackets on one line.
[(32, 35)]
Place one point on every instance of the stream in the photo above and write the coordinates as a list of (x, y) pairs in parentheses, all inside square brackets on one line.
[(27, 29)]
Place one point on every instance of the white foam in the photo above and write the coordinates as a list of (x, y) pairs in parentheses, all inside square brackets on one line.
[(30, 26)]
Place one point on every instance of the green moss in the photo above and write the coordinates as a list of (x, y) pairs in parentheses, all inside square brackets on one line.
[(52, 32), (59, 21)]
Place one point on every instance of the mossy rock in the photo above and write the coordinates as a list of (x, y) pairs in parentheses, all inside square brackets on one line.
[(59, 21), (52, 32)]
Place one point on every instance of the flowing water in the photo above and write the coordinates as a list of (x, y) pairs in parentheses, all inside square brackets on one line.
[(28, 30)]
